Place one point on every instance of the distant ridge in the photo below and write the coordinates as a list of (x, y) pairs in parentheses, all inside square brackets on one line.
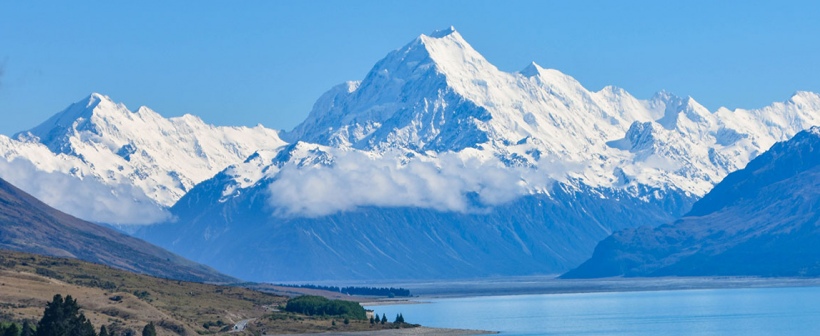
[(28, 225), (759, 221)]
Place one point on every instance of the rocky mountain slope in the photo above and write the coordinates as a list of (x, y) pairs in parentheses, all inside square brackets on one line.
[(759, 221), (28, 225)]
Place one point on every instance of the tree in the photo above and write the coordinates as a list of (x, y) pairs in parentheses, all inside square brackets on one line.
[(104, 331), (372, 320), (27, 330), (149, 330), (399, 319), (384, 318), (347, 321), (11, 330), (63, 318)]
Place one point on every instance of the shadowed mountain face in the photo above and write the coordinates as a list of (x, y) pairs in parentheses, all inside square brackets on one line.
[(28, 225), (534, 235), (760, 221)]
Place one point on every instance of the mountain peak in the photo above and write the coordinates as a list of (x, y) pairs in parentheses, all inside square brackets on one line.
[(443, 32), (662, 95), (98, 97), (805, 97), (80, 111), (85, 107), (446, 44), (533, 69), (376, 110), (453, 56), (674, 107)]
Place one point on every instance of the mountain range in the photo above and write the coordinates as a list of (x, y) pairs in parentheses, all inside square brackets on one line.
[(134, 164), (436, 164), (759, 221)]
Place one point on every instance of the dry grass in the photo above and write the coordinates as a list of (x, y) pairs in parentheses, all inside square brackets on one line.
[(28, 281), (123, 300)]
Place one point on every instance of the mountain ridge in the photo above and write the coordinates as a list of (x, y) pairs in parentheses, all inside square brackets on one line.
[(663, 142), (759, 221), (156, 159)]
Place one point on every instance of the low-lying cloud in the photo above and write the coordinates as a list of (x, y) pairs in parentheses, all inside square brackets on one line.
[(448, 183), (88, 199)]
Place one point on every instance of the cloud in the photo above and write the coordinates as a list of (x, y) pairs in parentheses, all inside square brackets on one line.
[(88, 199), (447, 183)]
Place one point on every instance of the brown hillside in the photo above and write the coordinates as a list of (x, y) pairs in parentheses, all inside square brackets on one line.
[(28, 225), (121, 299)]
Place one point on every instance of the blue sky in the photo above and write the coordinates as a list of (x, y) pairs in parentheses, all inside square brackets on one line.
[(243, 63)]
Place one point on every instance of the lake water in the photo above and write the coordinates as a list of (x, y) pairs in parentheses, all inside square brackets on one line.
[(756, 311)]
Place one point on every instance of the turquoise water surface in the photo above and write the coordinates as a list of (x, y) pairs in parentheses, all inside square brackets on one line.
[(755, 311)]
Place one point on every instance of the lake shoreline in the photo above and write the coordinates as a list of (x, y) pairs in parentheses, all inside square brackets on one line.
[(551, 286), (732, 311), (419, 331)]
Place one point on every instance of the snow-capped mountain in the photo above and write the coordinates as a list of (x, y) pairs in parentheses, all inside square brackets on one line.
[(137, 155), (438, 150), (759, 221), (435, 150), (438, 94)]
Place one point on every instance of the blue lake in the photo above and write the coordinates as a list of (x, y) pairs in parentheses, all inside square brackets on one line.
[(755, 311)]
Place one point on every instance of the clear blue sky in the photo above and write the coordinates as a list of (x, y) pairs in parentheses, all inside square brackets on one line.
[(246, 62)]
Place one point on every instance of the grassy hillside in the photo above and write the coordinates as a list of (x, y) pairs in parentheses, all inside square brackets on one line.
[(125, 300), (28, 225)]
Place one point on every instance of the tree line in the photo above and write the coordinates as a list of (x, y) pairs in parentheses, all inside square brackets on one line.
[(319, 306)]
